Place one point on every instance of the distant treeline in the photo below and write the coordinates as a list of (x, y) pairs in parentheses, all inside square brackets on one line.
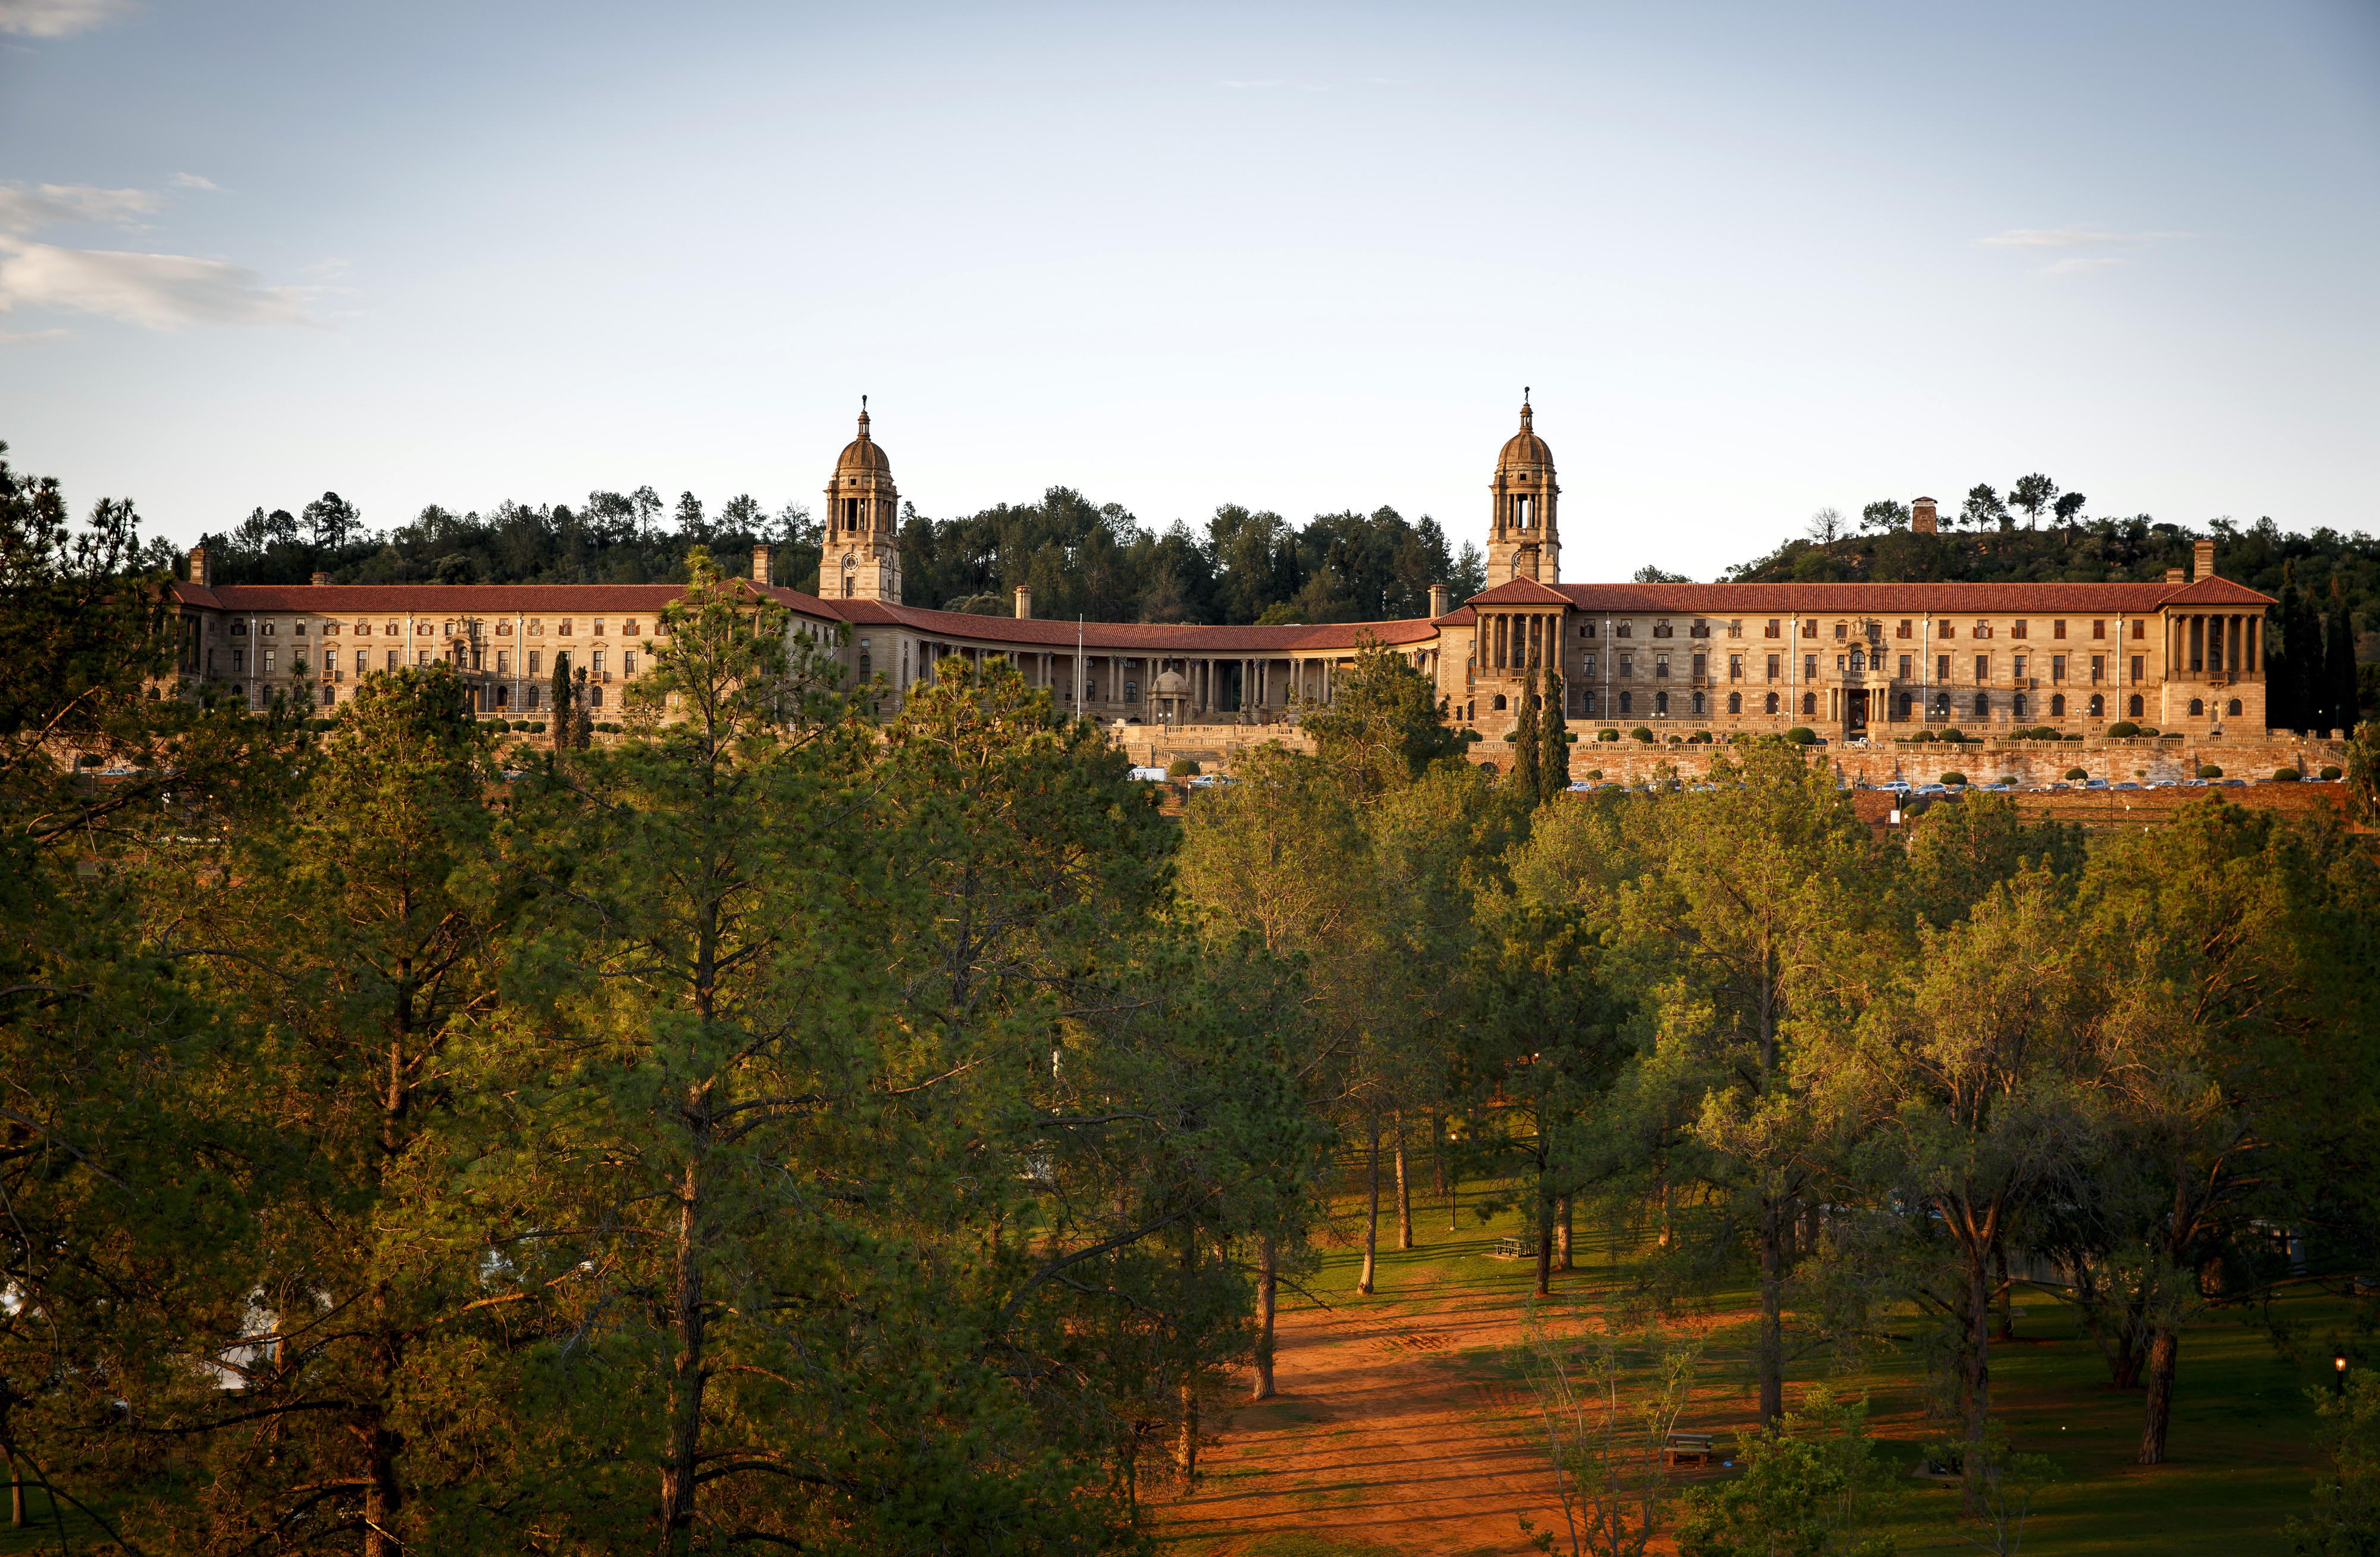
[(1080, 557)]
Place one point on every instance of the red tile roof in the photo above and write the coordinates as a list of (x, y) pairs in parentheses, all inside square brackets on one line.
[(1158, 637), (463, 599), (1785, 599)]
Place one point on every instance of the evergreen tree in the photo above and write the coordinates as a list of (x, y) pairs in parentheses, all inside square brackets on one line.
[(1553, 759), (2280, 662), (1528, 746), (2302, 640), (560, 698), (2338, 662)]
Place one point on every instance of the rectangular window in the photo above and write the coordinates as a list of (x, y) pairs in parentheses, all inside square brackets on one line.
[(2057, 629), (1809, 630), (1735, 667), (1842, 630), (2137, 674), (1627, 664), (1661, 666), (1590, 667), (595, 666), (421, 656), (1131, 692), (1809, 667), (1586, 630), (535, 657), (2099, 628), (299, 630), (1735, 630), (1773, 668), (596, 628), (627, 662), (2140, 627), (1906, 629), (561, 628), (268, 662), (363, 661), (2098, 669), (2018, 670), (2017, 629), (1700, 662), (1907, 661), (393, 661), (2056, 667), (504, 662), (1774, 629), (1983, 669), (1983, 629), (239, 661)]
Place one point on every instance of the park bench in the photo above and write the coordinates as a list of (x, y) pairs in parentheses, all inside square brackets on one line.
[(1508, 1247), (1683, 1446)]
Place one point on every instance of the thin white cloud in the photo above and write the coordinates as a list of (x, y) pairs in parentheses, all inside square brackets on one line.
[(24, 210), (2076, 264), (58, 19), (36, 338), (192, 181), (2073, 237), (155, 291)]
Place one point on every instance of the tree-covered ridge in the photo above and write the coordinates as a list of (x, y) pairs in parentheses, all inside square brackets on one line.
[(1081, 558)]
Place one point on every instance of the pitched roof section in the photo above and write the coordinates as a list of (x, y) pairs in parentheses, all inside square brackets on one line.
[(1147, 638), (1785, 599), (1524, 592), (468, 599)]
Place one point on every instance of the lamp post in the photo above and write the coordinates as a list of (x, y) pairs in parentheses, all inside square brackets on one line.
[(2339, 1371)]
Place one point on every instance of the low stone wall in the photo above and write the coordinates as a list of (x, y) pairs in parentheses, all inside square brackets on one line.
[(2028, 763)]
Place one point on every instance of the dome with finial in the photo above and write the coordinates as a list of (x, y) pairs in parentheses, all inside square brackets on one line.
[(863, 456), (1525, 447)]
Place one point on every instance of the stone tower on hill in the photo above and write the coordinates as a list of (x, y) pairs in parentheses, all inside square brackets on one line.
[(1523, 540), (862, 557)]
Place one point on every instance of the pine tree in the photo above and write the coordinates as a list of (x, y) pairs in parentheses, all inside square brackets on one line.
[(1528, 738), (1553, 759), (2338, 662)]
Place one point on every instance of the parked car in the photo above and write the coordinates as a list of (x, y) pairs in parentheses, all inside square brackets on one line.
[(2094, 783), (2125, 784), (1209, 780)]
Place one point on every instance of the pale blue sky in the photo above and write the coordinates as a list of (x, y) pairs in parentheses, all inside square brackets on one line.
[(1754, 259)]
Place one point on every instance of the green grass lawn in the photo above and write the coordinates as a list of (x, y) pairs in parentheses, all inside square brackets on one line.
[(2241, 1453)]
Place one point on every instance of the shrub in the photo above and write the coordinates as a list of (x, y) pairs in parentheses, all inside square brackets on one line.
[(1642, 733), (2286, 775), (2330, 772), (1473, 736), (1802, 735), (1954, 776), (2210, 770), (1924, 737), (537, 727), (1675, 740), (1606, 734), (520, 724), (1570, 737), (1954, 737), (2122, 729), (1511, 734), (1700, 737), (1595, 776), (2076, 773), (1182, 766)]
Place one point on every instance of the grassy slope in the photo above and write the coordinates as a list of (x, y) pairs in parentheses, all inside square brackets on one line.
[(2241, 1452)]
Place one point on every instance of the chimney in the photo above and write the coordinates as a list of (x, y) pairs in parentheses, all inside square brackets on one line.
[(1923, 519), (1025, 602), (1437, 601), (759, 564), (2202, 559), (2175, 576), (199, 574), (320, 579)]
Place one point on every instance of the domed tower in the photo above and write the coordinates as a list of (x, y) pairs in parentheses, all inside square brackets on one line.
[(1523, 539), (862, 555)]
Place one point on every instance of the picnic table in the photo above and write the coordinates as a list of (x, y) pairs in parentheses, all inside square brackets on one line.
[(1682, 1446), (1509, 1247)]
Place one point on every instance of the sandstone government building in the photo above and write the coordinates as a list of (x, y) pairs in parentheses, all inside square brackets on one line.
[(2185, 654)]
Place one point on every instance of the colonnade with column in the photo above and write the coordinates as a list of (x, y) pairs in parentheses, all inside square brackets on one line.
[(2208, 644)]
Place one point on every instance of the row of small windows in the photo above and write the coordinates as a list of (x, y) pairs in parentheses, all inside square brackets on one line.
[(534, 629), (1775, 704), (1905, 627)]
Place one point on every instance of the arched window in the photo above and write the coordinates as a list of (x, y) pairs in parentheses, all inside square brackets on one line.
[(1590, 702), (2133, 710), (1498, 702), (1660, 702), (1983, 705), (1627, 703), (2058, 705), (1809, 705), (1698, 705), (1942, 704), (2232, 708), (2016, 705), (1906, 703), (2196, 708), (2099, 706), (1735, 702), (1772, 703)]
